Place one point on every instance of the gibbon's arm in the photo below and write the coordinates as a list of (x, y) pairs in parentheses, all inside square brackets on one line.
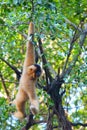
[(30, 53)]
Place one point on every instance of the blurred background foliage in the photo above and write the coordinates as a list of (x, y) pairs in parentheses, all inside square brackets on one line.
[(50, 18)]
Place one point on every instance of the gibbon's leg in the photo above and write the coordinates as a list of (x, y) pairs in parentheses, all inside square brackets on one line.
[(30, 53), (20, 104), (34, 104)]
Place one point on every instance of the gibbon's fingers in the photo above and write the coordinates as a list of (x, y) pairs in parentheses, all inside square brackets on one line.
[(34, 110), (31, 28), (19, 115)]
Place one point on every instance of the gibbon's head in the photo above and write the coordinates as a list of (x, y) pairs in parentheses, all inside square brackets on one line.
[(38, 70), (34, 71)]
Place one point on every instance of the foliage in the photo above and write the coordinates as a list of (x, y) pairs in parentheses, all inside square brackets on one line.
[(56, 23)]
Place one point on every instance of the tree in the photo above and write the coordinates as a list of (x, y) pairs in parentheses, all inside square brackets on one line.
[(60, 42)]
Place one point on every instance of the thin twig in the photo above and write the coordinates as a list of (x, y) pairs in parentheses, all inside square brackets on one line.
[(73, 62), (80, 124), (69, 53), (5, 88), (72, 24)]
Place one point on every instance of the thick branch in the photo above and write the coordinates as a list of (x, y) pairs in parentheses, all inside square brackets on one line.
[(47, 72), (49, 122), (18, 73), (29, 123), (32, 122)]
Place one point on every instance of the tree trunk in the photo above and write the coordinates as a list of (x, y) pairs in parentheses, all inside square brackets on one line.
[(57, 98), (63, 122)]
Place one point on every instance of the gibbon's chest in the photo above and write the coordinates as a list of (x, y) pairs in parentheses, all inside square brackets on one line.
[(26, 81)]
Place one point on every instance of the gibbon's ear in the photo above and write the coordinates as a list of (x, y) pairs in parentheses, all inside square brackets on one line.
[(31, 72), (31, 69)]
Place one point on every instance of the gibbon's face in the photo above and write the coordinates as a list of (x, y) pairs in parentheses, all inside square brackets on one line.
[(38, 70), (34, 71)]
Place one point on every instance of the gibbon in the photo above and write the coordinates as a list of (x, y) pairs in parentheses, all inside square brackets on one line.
[(31, 72)]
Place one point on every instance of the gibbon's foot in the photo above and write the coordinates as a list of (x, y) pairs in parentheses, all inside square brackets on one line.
[(34, 110), (19, 115)]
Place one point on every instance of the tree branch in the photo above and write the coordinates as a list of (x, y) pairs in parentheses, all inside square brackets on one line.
[(4, 86), (32, 9), (32, 122), (18, 73), (81, 42), (69, 53), (72, 24), (56, 96), (29, 123), (81, 124), (49, 121), (47, 72)]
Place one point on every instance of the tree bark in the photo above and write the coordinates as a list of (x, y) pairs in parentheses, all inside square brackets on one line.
[(57, 98)]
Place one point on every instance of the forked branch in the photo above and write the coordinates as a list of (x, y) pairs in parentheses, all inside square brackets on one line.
[(73, 62)]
